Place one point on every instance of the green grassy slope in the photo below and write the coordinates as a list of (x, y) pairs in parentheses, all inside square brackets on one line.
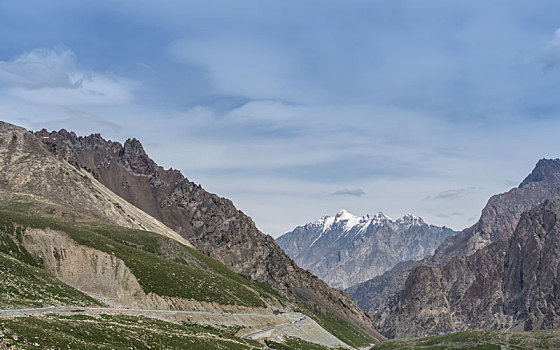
[(294, 344), (162, 265), (479, 340), (342, 329)]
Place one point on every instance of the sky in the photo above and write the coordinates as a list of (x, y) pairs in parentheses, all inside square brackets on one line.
[(296, 109)]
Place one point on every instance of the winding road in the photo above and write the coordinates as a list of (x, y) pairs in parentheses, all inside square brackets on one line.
[(40, 310), (266, 329)]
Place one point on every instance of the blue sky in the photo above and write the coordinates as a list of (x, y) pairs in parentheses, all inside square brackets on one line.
[(295, 109)]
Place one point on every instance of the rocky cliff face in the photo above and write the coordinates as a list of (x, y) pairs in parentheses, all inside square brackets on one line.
[(507, 284), (495, 228), (26, 166), (531, 283), (210, 223), (344, 249), (502, 212)]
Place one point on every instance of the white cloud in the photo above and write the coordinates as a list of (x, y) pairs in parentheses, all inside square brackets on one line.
[(54, 77), (39, 68)]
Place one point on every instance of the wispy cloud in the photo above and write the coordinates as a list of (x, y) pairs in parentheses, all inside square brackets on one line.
[(358, 192), (449, 215), (452, 194)]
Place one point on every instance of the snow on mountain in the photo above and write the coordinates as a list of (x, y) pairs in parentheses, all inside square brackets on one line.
[(346, 249)]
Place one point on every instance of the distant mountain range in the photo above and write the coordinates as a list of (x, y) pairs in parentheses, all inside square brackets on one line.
[(345, 249)]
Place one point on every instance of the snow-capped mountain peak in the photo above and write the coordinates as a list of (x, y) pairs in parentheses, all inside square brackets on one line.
[(410, 219), (348, 221), (342, 247)]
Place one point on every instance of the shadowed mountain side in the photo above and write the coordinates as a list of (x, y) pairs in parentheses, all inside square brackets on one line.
[(501, 214)]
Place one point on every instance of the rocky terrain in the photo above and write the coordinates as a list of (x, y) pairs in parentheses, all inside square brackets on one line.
[(211, 223), (27, 167), (465, 283), (344, 250), (502, 212), (509, 284)]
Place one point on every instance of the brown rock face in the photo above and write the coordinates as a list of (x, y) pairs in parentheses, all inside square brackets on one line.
[(502, 212), (532, 263), (507, 284), (26, 166), (210, 223), (461, 257)]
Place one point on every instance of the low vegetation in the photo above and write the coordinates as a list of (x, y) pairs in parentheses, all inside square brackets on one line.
[(342, 329), (479, 340), (114, 332), (294, 344)]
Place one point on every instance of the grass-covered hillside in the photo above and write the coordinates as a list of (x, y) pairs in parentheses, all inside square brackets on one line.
[(161, 265), (114, 332), (126, 332), (479, 340)]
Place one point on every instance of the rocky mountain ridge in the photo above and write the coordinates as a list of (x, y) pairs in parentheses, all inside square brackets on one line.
[(27, 167), (509, 284), (345, 249), (485, 242), (211, 223)]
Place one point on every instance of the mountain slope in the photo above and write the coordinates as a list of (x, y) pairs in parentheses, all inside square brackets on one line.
[(497, 221), (485, 242), (212, 224), (344, 249), (122, 266), (26, 166), (502, 212), (507, 284), (57, 259)]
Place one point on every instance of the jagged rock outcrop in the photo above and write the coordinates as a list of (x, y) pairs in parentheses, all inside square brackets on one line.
[(26, 166), (531, 267), (209, 222), (508, 284), (345, 249)]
